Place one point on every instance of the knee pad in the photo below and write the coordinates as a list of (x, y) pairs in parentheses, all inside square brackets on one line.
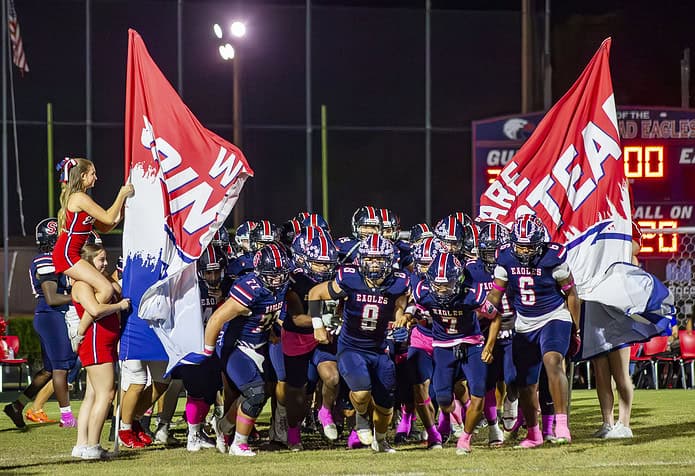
[(254, 399)]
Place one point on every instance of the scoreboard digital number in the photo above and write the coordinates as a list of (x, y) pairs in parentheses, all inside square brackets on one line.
[(658, 155)]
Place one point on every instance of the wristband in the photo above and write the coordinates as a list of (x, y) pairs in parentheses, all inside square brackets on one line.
[(209, 350), (567, 287), (317, 323), (410, 309), (497, 287)]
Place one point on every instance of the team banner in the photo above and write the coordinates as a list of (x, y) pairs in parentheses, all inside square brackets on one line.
[(570, 173), (186, 179)]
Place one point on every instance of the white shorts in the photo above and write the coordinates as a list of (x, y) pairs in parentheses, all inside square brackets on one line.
[(142, 372), (529, 324)]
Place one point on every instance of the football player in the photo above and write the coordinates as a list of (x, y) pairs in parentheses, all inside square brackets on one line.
[(538, 281), (365, 221), (459, 346), (374, 295), (245, 320)]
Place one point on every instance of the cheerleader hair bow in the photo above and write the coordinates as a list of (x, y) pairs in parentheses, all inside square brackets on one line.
[(64, 167)]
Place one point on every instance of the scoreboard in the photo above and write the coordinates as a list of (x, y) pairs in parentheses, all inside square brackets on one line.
[(658, 155)]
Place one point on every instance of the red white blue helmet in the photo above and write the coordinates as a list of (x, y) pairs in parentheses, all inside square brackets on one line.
[(444, 277), (425, 252), (212, 259), (365, 216), (492, 236), (314, 219), (262, 234), (390, 223), (315, 253), (376, 257), (272, 266), (450, 232), (419, 232), (242, 234), (47, 234), (470, 240), (528, 238)]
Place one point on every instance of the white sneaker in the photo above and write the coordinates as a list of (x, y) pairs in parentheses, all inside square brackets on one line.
[(220, 442), (509, 413), (365, 436), (95, 452), (331, 431), (77, 451), (495, 435), (382, 446), (196, 442), (619, 431), (240, 450), (162, 436), (603, 431)]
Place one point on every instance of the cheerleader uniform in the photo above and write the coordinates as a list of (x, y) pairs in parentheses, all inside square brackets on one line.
[(70, 241), (100, 340)]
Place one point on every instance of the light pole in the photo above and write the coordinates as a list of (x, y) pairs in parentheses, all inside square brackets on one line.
[(237, 30)]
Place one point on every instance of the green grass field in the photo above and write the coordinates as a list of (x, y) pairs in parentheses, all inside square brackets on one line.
[(664, 444)]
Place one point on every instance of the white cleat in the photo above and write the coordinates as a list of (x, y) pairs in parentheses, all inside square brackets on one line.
[(240, 450), (457, 429), (382, 446), (331, 431), (196, 442), (365, 436), (495, 435)]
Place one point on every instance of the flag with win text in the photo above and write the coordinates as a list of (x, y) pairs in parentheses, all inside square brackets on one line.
[(186, 179)]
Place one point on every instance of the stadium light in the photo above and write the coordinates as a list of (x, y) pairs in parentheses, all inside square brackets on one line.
[(238, 29)]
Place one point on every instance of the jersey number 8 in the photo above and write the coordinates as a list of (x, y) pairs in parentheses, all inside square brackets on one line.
[(370, 317)]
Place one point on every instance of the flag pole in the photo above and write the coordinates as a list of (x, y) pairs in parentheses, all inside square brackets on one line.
[(49, 157), (324, 161), (5, 211), (307, 85)]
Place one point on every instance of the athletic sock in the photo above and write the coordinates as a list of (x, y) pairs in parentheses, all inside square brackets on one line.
[(548, 424), (240, 439)]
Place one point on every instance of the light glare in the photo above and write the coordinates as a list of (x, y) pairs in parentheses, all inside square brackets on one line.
[(226, 51), (217, 29), (238, 29)]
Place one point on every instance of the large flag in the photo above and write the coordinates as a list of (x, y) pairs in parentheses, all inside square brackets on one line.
[(570, 173), (186, 179), (18, 57)]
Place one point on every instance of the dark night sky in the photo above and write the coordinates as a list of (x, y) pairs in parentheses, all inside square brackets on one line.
[(367, 67)]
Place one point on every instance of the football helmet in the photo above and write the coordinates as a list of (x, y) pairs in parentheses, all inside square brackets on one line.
[(241, 237), (289, 231), (420, 232), (492, 236), (314, 219), (211, 266), (464, 218), (47, 234), (450, 232), (390, 224), (315, 253), (424, 252), (301, 216), (375, 257), (365, 221), (94, 238), (262, 234), (444, 277), (220, 240), (470, 241), (272, 266), (528, 238)]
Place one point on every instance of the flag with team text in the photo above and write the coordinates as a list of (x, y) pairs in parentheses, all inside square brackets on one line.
[(186, 179), (570, 173)]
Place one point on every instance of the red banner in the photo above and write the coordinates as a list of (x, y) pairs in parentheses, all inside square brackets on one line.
[(570, 171), (200, 173)]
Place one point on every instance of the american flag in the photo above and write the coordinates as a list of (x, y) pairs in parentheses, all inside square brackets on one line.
[(18, 57)]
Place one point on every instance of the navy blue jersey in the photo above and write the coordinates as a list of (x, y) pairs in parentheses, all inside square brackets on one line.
[(477, 278), (405, 253), (239, 266), (264, 305), (347, 249), (453, 320), (532, 289), (300, 283), (208, 302), (42, 269), (368, 311)]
